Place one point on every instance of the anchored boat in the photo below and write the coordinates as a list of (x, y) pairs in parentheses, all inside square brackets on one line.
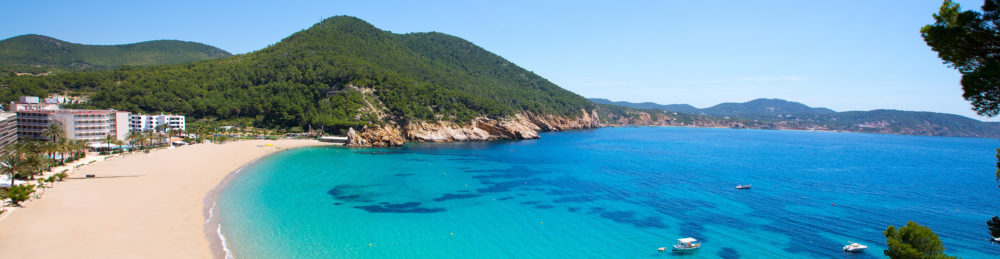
[(687, 244), (855, 247)]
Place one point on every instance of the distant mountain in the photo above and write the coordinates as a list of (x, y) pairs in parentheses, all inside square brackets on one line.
[(782, 114), (684, 108), (758, 109), (763, 108), (37, 53)]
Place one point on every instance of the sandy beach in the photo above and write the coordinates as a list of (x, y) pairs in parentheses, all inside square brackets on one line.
[(139, 205)]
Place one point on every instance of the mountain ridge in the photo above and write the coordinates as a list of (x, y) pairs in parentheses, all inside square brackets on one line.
[(34, 52), (794, 115)]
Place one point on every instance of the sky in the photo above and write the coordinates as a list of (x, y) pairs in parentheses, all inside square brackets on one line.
[(844, 55)]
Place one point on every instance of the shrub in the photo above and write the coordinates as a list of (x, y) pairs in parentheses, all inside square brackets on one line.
[(20, 193)]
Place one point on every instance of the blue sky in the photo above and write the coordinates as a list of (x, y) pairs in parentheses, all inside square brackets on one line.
[(843, 55)]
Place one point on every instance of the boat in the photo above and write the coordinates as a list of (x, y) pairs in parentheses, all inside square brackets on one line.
[(855, 247), (996, 239), (687, 244), (743, 186)]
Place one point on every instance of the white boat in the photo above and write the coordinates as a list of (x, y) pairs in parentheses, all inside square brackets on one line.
[(996, 239), (687, 244), (743, 186), (855, 247)]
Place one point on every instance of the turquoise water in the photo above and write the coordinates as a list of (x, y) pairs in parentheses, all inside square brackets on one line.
[(615, 193)]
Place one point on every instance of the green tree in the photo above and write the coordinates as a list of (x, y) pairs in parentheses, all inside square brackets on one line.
[(969, 42), (133, 138), (994, 226), (79, 147), (11, 164), (110, 139), (54, 131), (20, 193), (913, 241)]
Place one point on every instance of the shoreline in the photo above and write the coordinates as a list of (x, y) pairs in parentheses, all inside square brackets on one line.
[(140, 205), (213, 225)]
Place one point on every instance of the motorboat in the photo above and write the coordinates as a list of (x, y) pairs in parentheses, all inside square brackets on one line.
[(687, 244), (741, 187), (855, 247)]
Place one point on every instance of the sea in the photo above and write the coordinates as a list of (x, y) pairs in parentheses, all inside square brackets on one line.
[(615, 193)]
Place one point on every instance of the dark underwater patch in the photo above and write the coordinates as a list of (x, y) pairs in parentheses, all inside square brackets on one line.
[(407, 207), (575, 199), (450, 196), (728, 253), (628, 217)]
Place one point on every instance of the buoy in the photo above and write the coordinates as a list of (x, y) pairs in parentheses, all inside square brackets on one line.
[(452, 233), (369, 244), (466, 185), (541, 223)]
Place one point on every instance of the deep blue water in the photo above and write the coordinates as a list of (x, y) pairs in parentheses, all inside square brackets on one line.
[(615, 193)]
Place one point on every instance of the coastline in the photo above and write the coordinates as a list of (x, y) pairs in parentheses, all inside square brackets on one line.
[(213, 226), (139, 205)]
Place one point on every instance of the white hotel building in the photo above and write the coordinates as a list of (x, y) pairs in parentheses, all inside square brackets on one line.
[(90, 125), (33, 117), (149, 122)]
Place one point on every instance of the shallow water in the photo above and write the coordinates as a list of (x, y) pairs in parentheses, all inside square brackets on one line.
[(615, 193)]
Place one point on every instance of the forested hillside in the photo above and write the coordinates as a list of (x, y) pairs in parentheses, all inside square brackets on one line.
[(40, 54), (342, 72)]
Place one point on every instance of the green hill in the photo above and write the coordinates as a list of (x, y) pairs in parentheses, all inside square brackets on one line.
[(341, 72), (683, 108), (763, 108), (37, 53)]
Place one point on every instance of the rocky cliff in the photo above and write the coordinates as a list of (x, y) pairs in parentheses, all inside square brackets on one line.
[(525, 125)]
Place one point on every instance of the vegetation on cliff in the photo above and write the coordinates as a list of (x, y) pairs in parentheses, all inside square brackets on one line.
[(340, 73)]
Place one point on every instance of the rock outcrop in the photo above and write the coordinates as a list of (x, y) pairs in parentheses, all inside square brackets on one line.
[(355, 140), (525, 125)]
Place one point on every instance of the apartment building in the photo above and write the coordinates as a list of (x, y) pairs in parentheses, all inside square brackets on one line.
[(142, 122), (8, 128), (90, 125)]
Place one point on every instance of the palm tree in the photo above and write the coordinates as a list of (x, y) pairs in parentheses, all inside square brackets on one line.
[(35, 163), (54, 131), (134, 137), (80, 146), (162, 129), (11, 164), (64, 148), (150, 138), (109, 139), (118, 142), (50, 149)]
